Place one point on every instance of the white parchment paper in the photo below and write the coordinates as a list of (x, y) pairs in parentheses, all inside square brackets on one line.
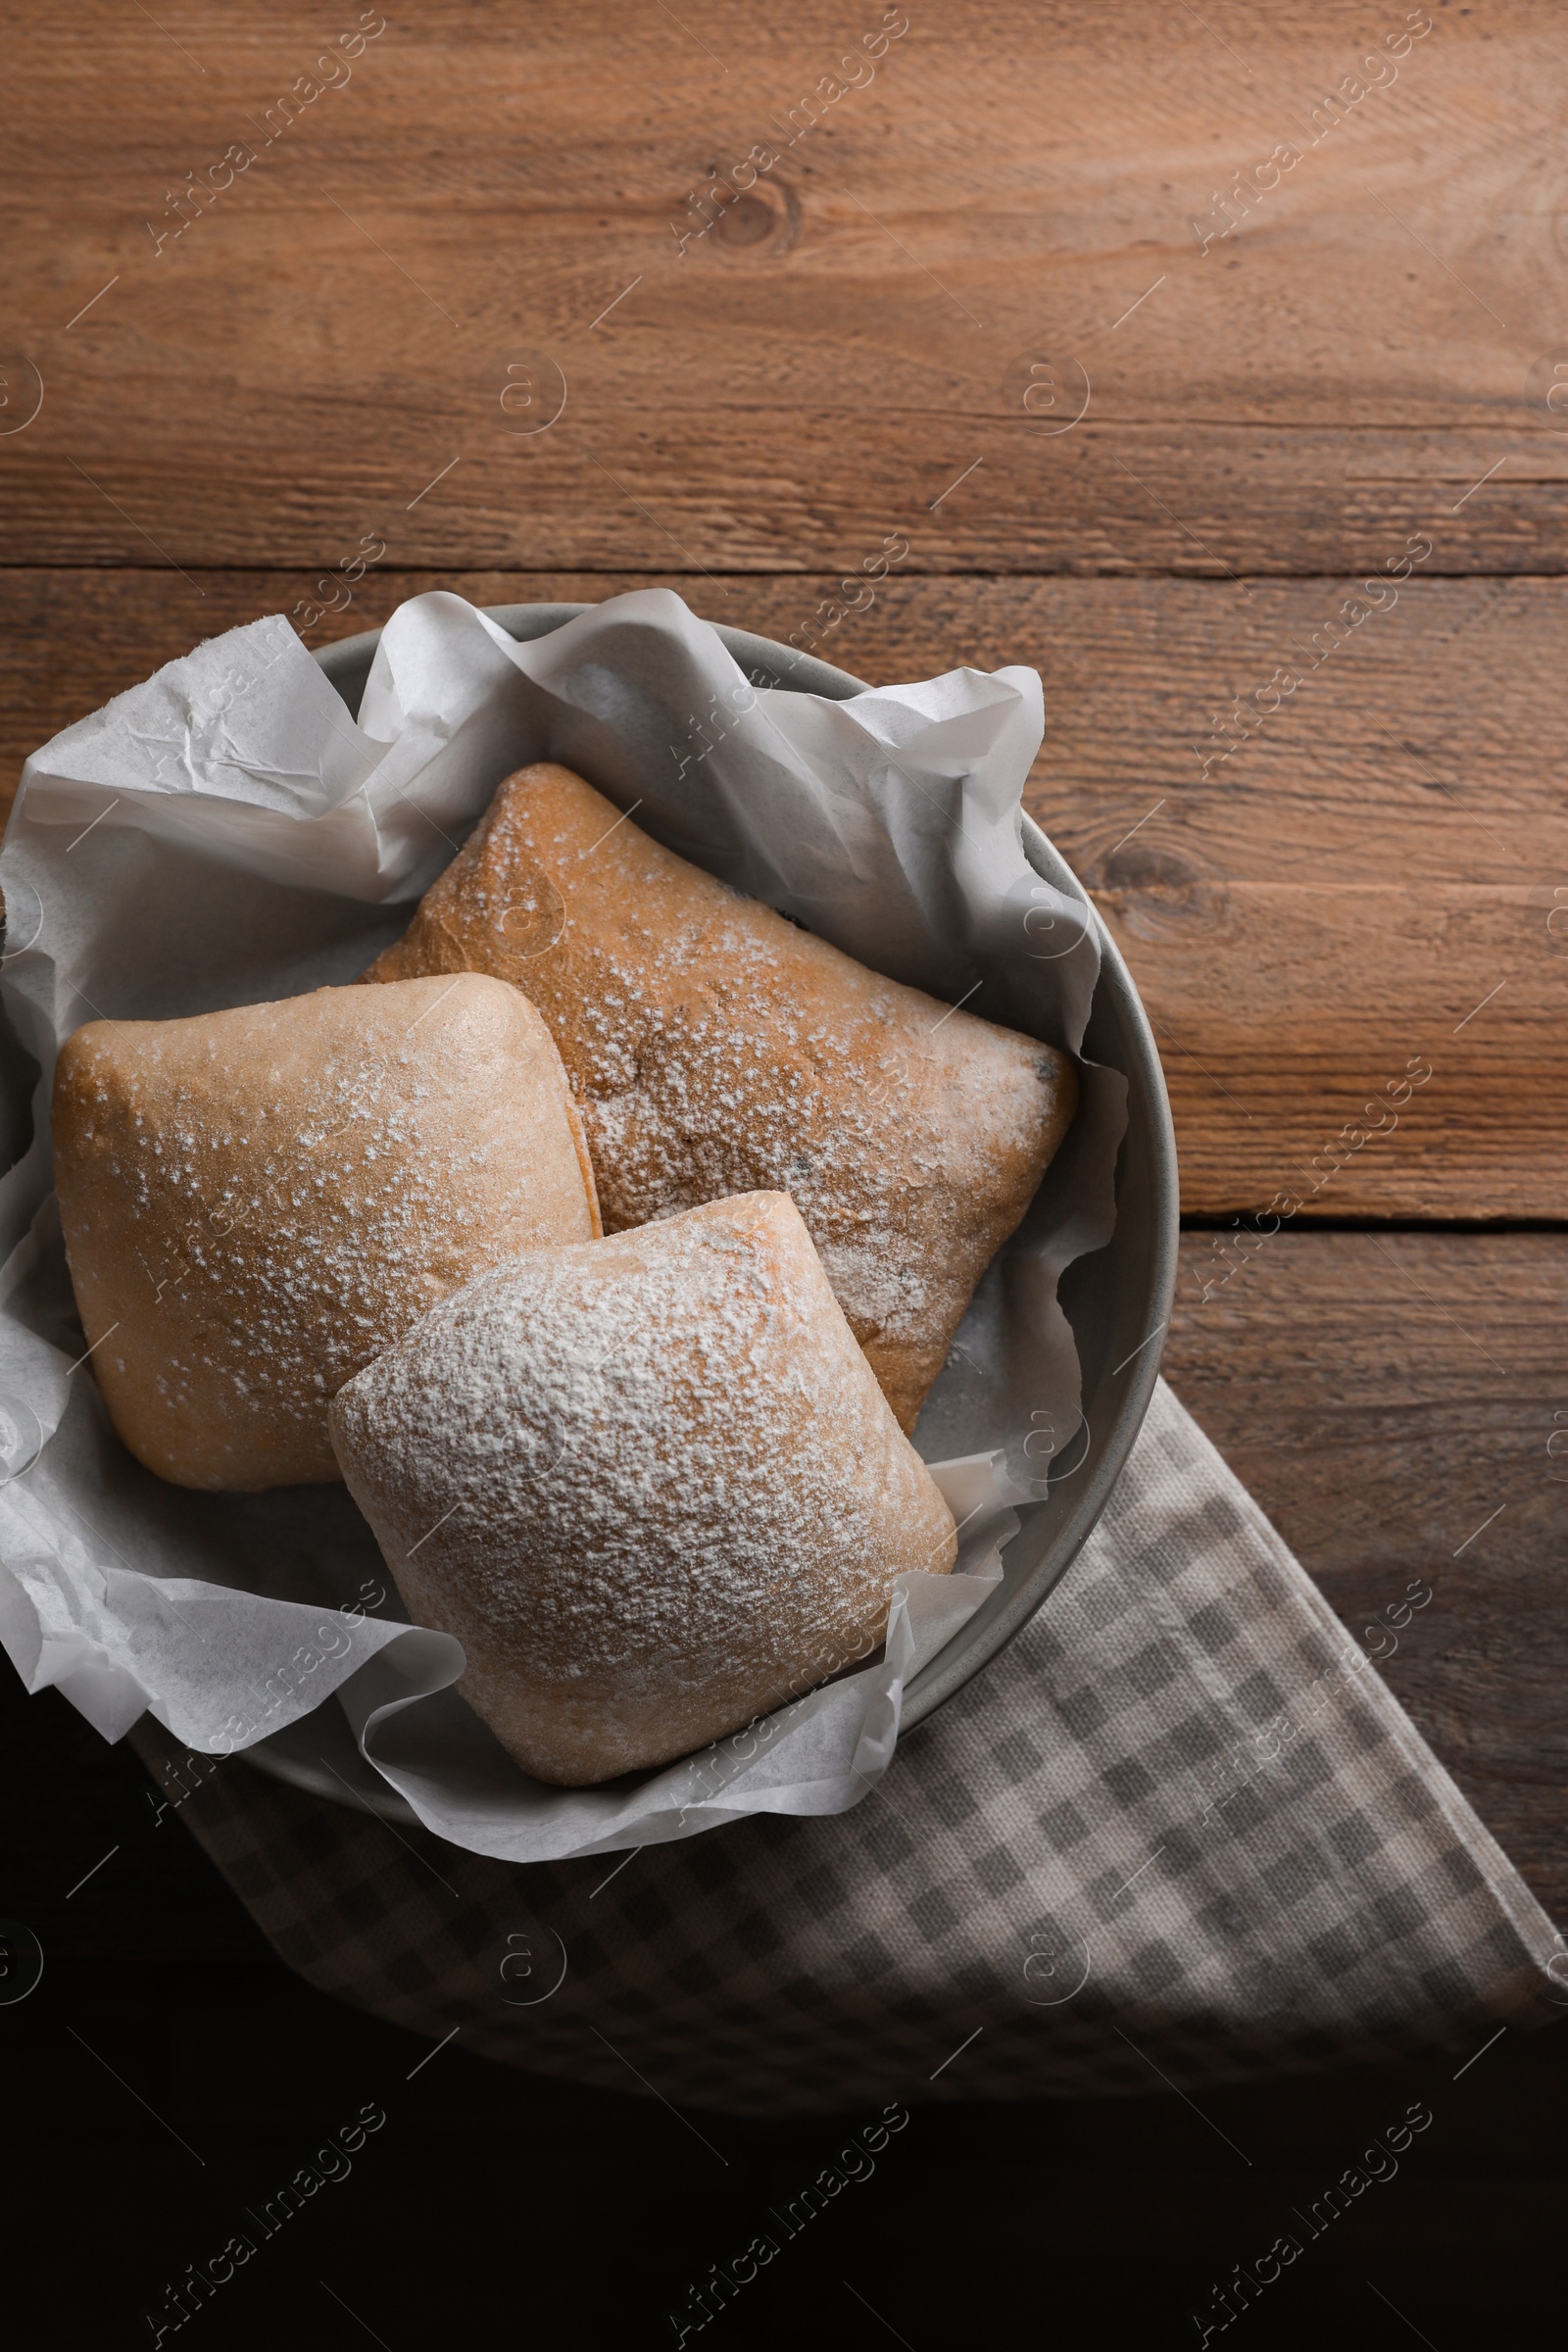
[(228, 833)]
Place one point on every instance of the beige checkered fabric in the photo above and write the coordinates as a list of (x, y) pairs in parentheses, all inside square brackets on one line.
[(1179, 1825)]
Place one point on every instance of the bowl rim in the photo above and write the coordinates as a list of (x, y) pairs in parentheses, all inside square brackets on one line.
[(807, 673)]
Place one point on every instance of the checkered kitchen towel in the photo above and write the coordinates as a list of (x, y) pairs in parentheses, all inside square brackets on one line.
[(1179, 1824)]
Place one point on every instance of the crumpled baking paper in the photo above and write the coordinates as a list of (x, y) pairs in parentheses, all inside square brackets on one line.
[(228, 833)]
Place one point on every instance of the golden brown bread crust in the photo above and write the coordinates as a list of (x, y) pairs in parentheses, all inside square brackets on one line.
[(714, 1048), (650, 1485), (256, 1201)]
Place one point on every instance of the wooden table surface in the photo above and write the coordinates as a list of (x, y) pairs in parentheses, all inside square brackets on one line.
[(1214, 363)]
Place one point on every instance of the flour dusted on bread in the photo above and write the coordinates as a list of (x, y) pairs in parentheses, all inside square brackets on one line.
[(650, 1485), (714, 1049), (256, 1201)]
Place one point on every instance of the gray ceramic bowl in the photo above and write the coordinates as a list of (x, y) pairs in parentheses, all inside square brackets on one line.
[(1117, 1300)]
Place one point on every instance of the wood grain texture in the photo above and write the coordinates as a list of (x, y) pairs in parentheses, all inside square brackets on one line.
[(1381, 1394), (1010, 185), (1313, 897), (1391, 1400), (1330, 904)]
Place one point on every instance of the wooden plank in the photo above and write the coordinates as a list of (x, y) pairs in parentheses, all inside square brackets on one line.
[(1366, 352), (1391, 1400), (1329, 906), (1432, 732), (1381, 1394)]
